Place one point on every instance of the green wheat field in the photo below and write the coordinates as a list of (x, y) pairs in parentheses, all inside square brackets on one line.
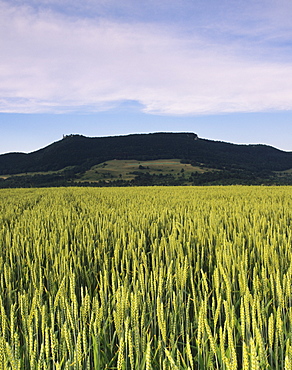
[(146, 278)]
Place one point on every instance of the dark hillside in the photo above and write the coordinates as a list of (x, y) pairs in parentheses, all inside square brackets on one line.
[(83, 152), (252, 157)]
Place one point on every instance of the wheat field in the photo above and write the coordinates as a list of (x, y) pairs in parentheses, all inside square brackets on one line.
[(146, 278)]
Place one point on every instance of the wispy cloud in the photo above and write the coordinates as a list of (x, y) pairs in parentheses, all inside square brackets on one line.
[(51, 62)]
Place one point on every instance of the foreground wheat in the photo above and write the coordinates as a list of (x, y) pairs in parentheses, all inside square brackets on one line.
[(146, 278)]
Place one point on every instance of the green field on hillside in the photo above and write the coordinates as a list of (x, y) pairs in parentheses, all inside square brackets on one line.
[(128, 169)]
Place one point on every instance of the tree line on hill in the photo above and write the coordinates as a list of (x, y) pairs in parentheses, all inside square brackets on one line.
[(224, 177)]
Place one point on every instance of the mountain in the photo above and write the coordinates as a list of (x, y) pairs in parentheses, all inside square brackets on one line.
[(78, 153)]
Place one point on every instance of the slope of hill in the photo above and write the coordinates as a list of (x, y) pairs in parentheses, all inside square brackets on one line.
[(78, 154)]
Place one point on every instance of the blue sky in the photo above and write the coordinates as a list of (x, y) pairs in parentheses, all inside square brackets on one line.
[(221, 69)]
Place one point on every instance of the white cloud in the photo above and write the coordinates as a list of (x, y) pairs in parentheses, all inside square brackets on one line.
[(53, 63)]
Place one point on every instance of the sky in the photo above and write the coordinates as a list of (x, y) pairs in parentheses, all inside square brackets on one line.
[(221, 69)]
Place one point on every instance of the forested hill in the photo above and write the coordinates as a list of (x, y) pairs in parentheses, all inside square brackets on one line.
[(82, 152)]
